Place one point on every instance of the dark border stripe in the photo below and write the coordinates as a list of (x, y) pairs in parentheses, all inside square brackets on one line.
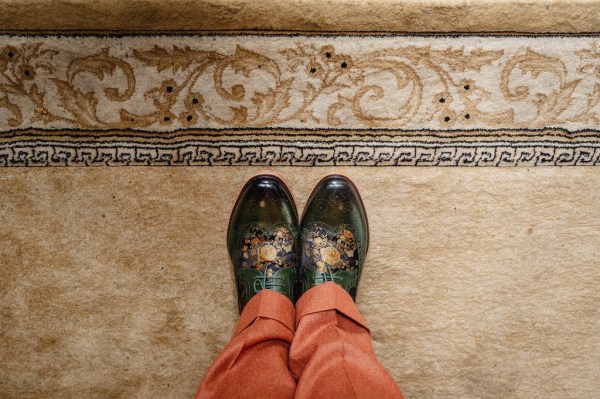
[(296, 34)]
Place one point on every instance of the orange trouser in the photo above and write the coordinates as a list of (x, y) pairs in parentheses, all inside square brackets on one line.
[(320, 350)]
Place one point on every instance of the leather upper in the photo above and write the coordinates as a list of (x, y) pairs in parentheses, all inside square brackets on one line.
[(262, 238), (334, 235)]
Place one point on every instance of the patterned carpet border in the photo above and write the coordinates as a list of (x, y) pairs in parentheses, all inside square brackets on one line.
[(299, 100), (494, 149)]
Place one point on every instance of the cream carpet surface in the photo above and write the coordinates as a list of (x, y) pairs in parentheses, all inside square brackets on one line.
[(480, 283)]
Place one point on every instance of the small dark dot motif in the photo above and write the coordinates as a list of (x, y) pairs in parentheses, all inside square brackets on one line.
[(189, 118), (467, 87), (447, 119), (467, 116), (313, 70), (195, 101), (328, 54), (166, 119), (169, 89), (344, 65), (26, 72), (10, 54), (442, 100)]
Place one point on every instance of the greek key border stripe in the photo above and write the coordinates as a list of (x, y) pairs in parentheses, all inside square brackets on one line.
[(298, 151)]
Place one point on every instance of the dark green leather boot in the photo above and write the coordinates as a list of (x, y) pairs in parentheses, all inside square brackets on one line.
[(262, 238), (334, 235)]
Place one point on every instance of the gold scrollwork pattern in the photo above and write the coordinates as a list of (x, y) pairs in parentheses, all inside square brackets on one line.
[(169, 83)]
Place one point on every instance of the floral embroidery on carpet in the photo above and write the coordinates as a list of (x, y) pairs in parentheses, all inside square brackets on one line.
[(299, 100)]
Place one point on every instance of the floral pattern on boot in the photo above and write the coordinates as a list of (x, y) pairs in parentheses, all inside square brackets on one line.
[(329, 254), (267, 252)]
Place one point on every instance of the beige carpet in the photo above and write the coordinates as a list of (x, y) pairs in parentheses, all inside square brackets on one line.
[(127, 129), (480, 283)]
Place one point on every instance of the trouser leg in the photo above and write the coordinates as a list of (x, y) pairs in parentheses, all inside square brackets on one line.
[(331, 355), (254, 364)]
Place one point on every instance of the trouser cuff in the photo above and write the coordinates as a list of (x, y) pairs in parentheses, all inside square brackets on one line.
[(268, 304), (325, 297)]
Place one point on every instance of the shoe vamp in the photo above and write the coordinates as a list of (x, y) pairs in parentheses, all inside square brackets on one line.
[(264, 251), (325, 251)]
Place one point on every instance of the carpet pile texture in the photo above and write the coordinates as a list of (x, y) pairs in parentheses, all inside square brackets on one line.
[(479, 283)]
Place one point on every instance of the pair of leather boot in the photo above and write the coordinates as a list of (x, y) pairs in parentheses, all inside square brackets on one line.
[(270, 249)]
